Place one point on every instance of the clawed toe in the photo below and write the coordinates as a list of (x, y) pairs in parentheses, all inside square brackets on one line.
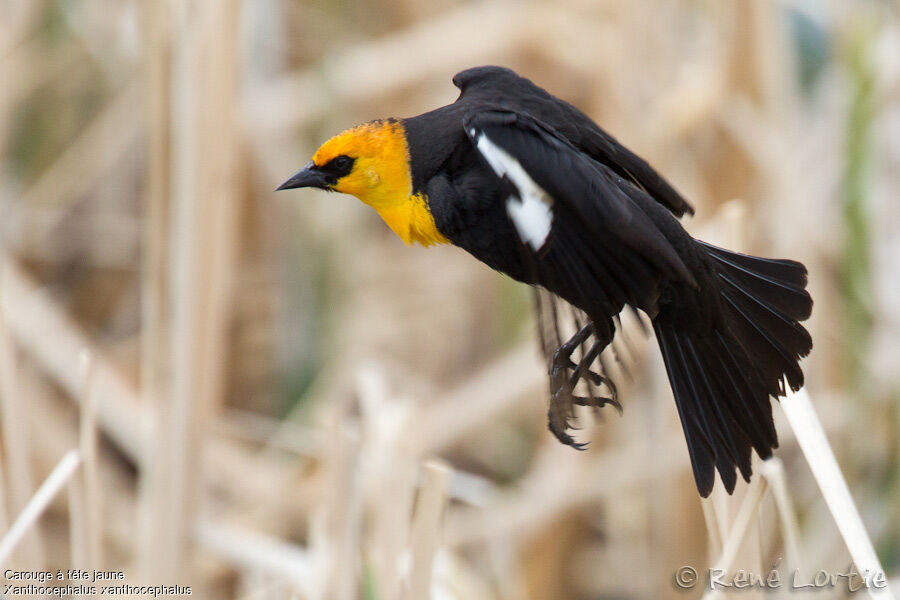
[(580, 372), (566, 439), (598, 402), (617, 405)]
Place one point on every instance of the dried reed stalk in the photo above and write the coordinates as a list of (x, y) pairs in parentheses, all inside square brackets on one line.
[(335, 524), (56, 480), (16, 431), (712, 528), (812, 440), (79, 517), (746, 515), (773, 470), (4, 504), (157, 92), (203, 188), (389, 470), (90, 479), (252, 551), (426, 527)]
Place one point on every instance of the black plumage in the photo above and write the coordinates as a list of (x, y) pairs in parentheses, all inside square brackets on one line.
[(529, 185), (727, 324)]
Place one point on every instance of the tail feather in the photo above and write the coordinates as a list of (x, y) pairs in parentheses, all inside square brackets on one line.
[(720, 413), (766, 300), (781, 282), (703, 456), (759, 337), (752, 398), (729, 432), (722, 379), (718, 432)]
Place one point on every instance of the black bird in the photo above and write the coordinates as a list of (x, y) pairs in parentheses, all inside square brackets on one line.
[(529, 185)]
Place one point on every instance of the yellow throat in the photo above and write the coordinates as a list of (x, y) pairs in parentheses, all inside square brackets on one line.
[(382, 179)]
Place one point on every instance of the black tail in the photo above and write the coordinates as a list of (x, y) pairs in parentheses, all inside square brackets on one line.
[(722, 379)]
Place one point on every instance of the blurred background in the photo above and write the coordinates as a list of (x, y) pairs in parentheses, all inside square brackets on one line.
[(289, 403)]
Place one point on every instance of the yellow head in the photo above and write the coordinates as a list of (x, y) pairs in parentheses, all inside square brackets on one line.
[(371, 162)]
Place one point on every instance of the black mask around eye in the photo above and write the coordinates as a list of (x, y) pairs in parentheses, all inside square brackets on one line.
[(338, 167), (342, 164)]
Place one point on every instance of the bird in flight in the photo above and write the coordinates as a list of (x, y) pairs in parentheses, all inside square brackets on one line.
[(529, 185)]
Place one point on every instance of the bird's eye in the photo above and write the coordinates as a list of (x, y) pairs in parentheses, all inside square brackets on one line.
[(342, 163)]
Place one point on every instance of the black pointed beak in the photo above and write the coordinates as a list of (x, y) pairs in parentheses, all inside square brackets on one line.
[(308, 176)]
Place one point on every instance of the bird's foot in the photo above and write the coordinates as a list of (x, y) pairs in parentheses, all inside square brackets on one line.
[(563, 384), (558, 417)]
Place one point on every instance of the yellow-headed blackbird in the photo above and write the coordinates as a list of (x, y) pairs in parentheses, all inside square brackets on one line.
[(529, 185)]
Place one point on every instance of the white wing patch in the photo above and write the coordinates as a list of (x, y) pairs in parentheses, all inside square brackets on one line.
[(532, 211)]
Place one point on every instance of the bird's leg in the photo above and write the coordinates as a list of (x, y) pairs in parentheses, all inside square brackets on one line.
[(562, 358)]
